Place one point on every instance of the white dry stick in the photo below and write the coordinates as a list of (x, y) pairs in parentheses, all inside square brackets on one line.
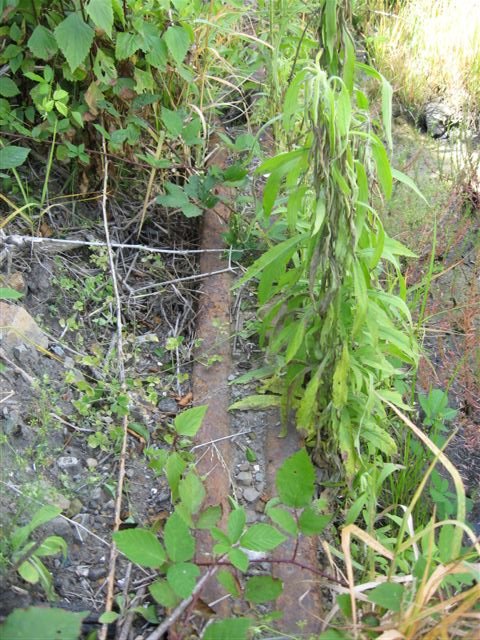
[(121, 375)]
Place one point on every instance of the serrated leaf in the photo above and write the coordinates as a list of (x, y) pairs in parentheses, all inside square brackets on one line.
[(388, 595), (261, 589), (239, 559), (126, 45), (50, 622), (192, 492), (178, 41), (74, 38), (255, 402), (173, 122), (209, 518), (42, 43), (236, 524), (182, 577), (295, 480), (189, 422), (163, 593), (262, 537), (140, 546), (191, 210), (283, 519), (179, 542), (231, 628), (312, 523), (101, 14), (228, 582)]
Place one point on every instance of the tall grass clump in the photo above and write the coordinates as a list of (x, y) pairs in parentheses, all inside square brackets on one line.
[(430, 50)]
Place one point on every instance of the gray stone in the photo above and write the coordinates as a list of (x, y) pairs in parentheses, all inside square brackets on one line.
[(95, 573), (245, 466), (168, 405), (252, 516), (68, 463), (91, 463), (260, 476), (250, 494), (245, 477), (19, 328)]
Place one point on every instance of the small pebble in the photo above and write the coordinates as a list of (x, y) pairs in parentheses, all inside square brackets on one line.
[(259, 476), (130, 473), (256, 467), (68, 463), (91, 463), (245, 466), (251, 516), (250, 494), (245, 477), (94, 573), (231, 377)]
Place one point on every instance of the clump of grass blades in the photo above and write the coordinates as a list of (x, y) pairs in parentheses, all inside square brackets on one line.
[(430, 49)]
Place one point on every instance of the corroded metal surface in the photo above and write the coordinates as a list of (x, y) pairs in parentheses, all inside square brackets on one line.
[(300, 601), (211, 370)]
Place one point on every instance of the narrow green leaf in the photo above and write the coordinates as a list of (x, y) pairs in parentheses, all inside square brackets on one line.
[(296, 342), (406, 180), (101, 14), (295, 480), (9, 294), (179, 542), (340, 380), (74, 38), (189, 421), (384, 171), (262, 537), (140, 546), (182, 577), (256, 402), (236, 524), (174, 467), (28, 572)]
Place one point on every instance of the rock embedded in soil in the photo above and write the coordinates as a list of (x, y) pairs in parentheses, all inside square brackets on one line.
[(19, 328), (245, 477), (168, 405), (250, 494)]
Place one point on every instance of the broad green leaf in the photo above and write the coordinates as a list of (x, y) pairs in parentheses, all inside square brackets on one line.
[(126, 45), (209, 518), (158, 55), (356, 508), (42, 43), (8, 88), (9, 294), (101, 14), (295, 480), (311, 522), (388, 595), (173, 122), (228, 629), (281, 160), (402, 177), (163, 593), (239, 559), (261, 589), (174, 467), (74, 38), (178, 41), (189, 422), (192, 492), (44, 622), (387, 93), (236, 524), (12, 156), (140, 546), (283, 249), (262, 537), (108, 617), (283, 519), (179, 542), (28, 572), (191, 210), (378, 438), (41, 516), (228, 582), (182, 577), (255, 374), (256, 402)]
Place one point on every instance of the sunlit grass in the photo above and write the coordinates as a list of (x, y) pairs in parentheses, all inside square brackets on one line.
[(430, 50)]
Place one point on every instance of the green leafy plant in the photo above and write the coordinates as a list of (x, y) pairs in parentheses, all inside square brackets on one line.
[(27, 554)]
